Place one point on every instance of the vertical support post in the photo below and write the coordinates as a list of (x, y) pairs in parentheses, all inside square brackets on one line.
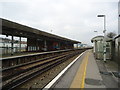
[(105, 23), (4, 47), (20, 45), (104, 39), (28, 45), (37, 45), (12, 45), (94, 47), (77, 45), (104, 42), (104, 50), (45, 45)]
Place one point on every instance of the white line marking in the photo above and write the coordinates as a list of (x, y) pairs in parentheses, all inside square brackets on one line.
[(61, 73)]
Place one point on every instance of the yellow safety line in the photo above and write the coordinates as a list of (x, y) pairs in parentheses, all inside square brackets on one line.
[(79, 79), (84, 75)]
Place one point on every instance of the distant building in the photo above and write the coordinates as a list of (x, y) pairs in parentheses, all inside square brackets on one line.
[(5, 45), (6, 40)]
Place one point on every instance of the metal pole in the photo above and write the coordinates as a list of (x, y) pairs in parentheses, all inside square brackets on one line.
[(45, 45), (12, 46), (104, 42), (20, 45), (104, 38), (105, 23)]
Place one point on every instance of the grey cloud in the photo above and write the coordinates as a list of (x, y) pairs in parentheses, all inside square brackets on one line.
[(74, 19)]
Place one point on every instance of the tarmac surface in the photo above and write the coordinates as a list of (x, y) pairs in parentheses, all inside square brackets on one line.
[(106, 69)]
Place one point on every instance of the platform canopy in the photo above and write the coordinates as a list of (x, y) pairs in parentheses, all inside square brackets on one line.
[(97, 38), (15, 29)]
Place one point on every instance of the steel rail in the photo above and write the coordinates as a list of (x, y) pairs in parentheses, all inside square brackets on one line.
[(36, 66), (24, 79)]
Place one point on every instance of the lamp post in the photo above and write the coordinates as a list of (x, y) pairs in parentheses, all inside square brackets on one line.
[(104, 46), (96, 32)]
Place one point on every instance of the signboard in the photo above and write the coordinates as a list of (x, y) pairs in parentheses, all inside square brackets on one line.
[(55, 45)]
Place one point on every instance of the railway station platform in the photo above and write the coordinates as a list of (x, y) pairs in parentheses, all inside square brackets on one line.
[(17, 54), (86, 72)]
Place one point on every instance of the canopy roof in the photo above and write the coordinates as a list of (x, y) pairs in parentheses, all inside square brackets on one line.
[(15, 29)]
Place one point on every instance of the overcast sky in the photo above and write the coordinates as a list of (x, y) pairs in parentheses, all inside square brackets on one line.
[(73, 19)]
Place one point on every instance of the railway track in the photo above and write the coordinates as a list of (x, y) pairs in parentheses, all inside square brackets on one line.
[(12, 70), (25, 72)]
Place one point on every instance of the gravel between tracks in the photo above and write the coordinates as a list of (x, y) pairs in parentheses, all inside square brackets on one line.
[(41, 80)]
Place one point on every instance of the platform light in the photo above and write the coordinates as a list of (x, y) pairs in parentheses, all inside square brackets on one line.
[(101, 16), (95, 31), (104, 35)]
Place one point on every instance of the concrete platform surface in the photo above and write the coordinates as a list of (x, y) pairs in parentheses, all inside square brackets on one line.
[(84, 73), (93, 78)]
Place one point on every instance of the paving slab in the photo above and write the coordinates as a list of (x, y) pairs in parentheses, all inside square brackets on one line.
[(93, 78)]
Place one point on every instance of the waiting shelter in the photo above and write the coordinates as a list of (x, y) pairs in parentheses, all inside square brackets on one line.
[(102, 46)]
